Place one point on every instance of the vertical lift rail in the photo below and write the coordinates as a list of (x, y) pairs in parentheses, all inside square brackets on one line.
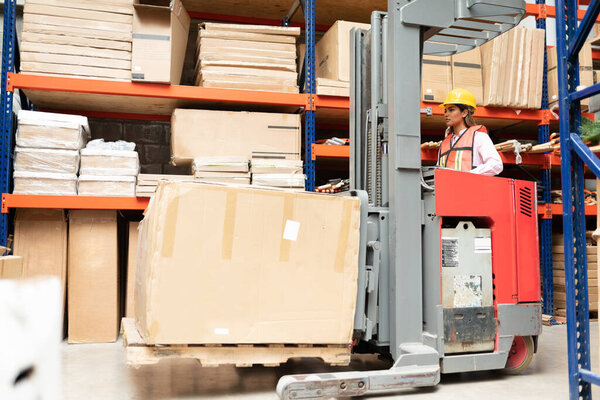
[(574, 154)]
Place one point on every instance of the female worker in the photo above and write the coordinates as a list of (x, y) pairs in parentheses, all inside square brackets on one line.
[(467, 146)]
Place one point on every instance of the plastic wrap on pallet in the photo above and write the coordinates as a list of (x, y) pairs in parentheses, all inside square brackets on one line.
[(220, 163), (96, 161), (279, 180), (45, 184), (51, 131), (96, 185), (46, 160)]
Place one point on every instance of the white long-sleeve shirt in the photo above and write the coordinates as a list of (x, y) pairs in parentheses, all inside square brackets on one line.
[(486, 160)]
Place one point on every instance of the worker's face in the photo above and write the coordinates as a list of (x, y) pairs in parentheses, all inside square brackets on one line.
[(454, 116)]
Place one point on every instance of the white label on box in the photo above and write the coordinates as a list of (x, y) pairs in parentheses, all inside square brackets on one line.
[(483, 244), (221, 331), (291, 230)]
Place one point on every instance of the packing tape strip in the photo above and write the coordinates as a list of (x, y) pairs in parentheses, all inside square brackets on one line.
[(170, 219), (288, 213)]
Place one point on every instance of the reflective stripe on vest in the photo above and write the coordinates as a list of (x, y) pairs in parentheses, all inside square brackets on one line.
[(459, 155)]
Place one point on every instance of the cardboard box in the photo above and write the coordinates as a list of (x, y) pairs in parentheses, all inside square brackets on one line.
[(41, 240), (160, 35), (131, 263), (332, 52), (293, 280), (204, 133), (44, 183), (490, 63), (109, 162), (436, 81), (93, 277), (586, 73), (51, 131), (11, 267), (46, 160), (466, 73), (100, 185)]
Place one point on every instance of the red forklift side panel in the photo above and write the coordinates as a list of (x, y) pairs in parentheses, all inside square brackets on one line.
[(528, 262), (463, 194)]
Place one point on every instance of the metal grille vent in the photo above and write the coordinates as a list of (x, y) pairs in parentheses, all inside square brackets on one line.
[(526, 202)]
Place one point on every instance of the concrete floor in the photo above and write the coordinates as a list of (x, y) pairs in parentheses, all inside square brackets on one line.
[(99, 372)]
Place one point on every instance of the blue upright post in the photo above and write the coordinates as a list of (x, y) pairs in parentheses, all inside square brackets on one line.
[(573, 204), (546, 222), (309, 119), (8, 65)]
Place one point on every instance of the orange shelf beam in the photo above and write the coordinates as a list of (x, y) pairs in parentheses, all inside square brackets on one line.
[(557, 209), (139, 89), (73, 202), (332, 151)]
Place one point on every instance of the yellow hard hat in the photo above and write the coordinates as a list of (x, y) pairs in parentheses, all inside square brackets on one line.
[(460, 96)]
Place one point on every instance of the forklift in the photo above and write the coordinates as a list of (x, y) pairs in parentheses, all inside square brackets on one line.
[(449, 275)]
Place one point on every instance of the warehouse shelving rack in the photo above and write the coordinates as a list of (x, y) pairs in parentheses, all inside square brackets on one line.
[(575, 155), (133, 99)]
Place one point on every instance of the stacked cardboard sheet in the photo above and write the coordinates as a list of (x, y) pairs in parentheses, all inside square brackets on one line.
[(330, 87), (222, 169), (147, 183), (253, 57), (108, 169), (512, 69), (87, 39), (277, 172), (47, 152)]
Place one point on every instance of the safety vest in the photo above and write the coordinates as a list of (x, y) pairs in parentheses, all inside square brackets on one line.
[(459, 155)]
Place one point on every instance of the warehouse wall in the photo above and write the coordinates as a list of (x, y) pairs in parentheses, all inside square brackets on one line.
[(152, 141)]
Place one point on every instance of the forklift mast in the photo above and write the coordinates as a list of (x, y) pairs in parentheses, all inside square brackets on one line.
[(398, 208)]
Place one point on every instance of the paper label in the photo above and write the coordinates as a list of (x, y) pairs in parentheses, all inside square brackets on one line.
[(482, 244), (291, 230), (221, 331), (449, 252)]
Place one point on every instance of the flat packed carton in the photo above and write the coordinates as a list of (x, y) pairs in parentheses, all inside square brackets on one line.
[(41, 240), (160, 34), (332, 52), (43, 183), (586, 73), (46, 160), (109, 162), (93, 276), (240, 265), (206, 133), (100, 185), (11, 267)]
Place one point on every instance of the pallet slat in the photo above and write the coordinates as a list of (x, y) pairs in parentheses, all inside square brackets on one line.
[(138, 353)]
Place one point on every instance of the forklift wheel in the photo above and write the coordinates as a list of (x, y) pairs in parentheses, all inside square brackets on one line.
[(519, 355)]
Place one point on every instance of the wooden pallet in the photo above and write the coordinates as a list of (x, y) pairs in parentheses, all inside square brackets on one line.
[(242, 355)]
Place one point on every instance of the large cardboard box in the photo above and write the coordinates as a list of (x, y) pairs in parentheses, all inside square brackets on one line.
[(11, 267), (466, 73), (205, 133), (41, 239), (332, 52), (250, 265), (160, 34), (131, 263), (437, 78), (586, 73), (93, 277)]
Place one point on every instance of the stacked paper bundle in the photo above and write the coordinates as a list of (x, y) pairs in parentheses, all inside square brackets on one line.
[(90, 39), (147, 183), (512, 69), (586, 74), (223, 169), (108, 169), (277, 172), (253, 57), (47, 152)]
